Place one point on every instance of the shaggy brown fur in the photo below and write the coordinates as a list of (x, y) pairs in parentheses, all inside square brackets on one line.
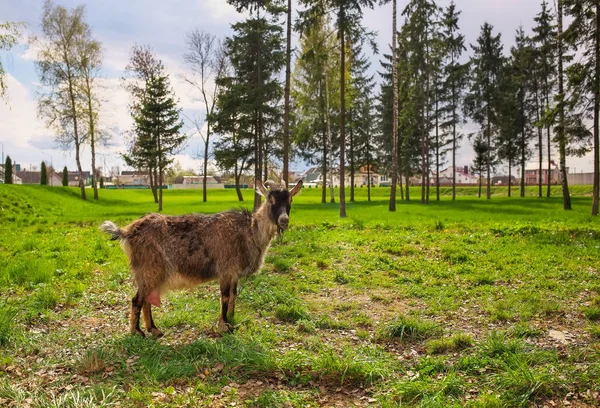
[(178, 252)]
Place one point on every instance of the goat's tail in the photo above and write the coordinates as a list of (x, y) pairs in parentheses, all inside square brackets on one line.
[(113, 229)]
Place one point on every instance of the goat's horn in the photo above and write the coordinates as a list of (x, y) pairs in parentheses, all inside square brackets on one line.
[(271, 185)]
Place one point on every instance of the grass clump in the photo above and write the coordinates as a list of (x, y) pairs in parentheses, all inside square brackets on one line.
[(45, 298), (498, 344), (7, 324), (409, 329), (459, 341), (291, 313)]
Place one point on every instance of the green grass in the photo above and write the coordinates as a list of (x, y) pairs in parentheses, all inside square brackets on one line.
[(467, 303)]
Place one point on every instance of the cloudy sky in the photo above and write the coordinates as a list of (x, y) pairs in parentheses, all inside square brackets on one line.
[(163, 25)]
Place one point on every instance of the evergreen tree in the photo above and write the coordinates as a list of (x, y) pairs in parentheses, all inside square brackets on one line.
[(314, 95), (584, 76), (516, 108), (479, 165), (8, 179), (255, 52), (158, 126), (65, 177), (43, 175), (349, 29), (482, 101), (454, 81), (544, 39)]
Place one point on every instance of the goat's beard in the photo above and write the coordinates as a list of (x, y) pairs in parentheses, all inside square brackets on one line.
[(280, 232)]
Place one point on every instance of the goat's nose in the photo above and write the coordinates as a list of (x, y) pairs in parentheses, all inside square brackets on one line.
[(283, 221)]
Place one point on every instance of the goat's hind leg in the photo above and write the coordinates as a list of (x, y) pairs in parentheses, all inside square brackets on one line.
[(134, 318), (232, 298), (149, 321)]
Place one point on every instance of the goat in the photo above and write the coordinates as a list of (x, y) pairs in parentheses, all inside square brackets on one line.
[(178, 252)]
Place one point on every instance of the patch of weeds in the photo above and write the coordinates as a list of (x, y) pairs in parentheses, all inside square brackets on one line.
[(429, 366), (282, 265), (7, 324), (426, 391), (455, 256), (276, 399), (341, 278), (306, 326), (409, 329), (592, 313), (439, 225), (291, 313), (497, 344), (524, 331), (484, 279), (30, 271), (522, 384), (501, 311), (322, 264), (330, 324), (74, 292), (45, 298), (94, 361), (595, 331), (459, 341), (381, 299)]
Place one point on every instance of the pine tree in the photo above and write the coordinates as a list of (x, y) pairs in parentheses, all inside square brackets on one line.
[(455, 78), (516, 108), (8, 177), (43, 175), (159, 125), (584, 76), (545, 41), (65, 177), (349, 29), (314, 96), (255, 52), (482, 101)]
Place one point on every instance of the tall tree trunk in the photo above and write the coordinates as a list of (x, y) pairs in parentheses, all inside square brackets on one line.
[(329, 140), (453, 147), (160, 174), (156, 183), (324, 144), (351, 164), (437, 151), (561, 114), (92, 135), (509, 176), (489, 154), (407, 183), (76, 134), (549, 172), (286, 113), (523, 143), (540, 142), (257, 162), (342, 115), (596, 192), (392, 204), (205, 167), (237, 174)]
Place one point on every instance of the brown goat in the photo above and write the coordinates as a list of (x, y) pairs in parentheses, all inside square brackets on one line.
[(178, 252)]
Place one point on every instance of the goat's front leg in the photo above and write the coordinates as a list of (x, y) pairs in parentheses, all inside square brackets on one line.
[(224, 325), (232, 297), (149, 321)]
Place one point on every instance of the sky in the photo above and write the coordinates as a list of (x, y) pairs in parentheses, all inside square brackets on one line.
[(163, 25)]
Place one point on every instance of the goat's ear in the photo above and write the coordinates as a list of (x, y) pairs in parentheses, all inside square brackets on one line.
[(296, 189), (261, 189)]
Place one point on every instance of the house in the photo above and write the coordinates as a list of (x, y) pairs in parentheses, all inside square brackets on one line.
[(313, 177), (532, 173), (197, 182), (15, 179), (463, 176), (133, 178), (74, 178), (503, 180)]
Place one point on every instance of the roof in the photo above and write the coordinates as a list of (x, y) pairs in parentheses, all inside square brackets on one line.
[(29, 177)]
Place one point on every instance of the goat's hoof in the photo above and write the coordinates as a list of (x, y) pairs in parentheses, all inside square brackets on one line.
[(157, 334), (225, 327), (138, 333)]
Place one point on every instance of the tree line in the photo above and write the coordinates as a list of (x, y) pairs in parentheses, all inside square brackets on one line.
[(262, 109)]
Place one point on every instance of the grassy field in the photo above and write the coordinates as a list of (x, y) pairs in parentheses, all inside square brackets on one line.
[(468, 303)]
